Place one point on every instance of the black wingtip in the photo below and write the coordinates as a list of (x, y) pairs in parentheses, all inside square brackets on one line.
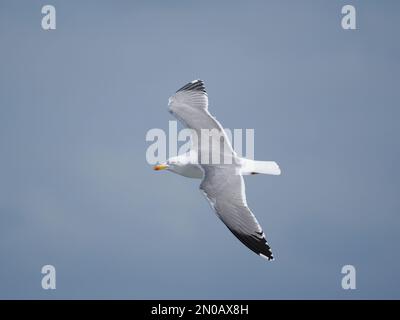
[(270, 257), (195, 85)]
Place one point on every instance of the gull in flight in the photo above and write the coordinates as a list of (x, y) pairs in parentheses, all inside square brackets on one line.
[(222, 181)]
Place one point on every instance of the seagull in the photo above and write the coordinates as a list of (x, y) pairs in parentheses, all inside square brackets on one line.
[(222, 181)]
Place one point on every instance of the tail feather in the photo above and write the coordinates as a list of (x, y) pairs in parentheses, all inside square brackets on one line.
[(264, 167)]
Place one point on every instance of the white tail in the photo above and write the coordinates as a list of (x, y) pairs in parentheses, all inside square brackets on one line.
[(265, 167)]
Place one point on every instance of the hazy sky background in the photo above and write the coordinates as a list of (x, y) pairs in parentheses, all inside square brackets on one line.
[(76, 190)]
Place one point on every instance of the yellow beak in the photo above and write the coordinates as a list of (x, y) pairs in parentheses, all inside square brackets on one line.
[(160, 167)]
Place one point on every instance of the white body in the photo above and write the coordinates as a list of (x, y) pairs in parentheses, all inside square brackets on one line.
[(187, 165)]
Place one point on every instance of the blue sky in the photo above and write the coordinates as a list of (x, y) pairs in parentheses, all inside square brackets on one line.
[(76, 191)]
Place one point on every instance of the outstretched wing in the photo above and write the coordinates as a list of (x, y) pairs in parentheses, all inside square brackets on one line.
[(190, 106), (225, 190)]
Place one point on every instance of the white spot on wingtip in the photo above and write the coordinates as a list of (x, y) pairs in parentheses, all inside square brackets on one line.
[(266, 258)]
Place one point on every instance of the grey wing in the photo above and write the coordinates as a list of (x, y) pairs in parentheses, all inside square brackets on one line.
[(225, 190), (190, 106)]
